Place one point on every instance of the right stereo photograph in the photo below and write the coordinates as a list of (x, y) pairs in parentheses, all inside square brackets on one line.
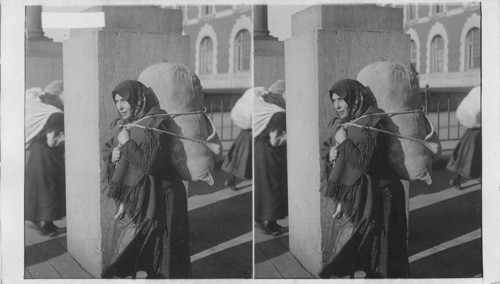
[(367, 141)]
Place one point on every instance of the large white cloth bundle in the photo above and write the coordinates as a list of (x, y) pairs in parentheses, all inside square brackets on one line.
[(396, 89), (241, 114), (179, 91), (469, 110), (36, 114), (262, 111)]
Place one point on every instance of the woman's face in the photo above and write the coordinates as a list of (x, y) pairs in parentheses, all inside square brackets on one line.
[(53, 139), (340, 106), (123, 107)]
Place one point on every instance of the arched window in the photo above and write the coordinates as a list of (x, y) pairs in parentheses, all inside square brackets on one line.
[(242, 50), (437, 8), (437, 54), (411, 12), (472, 50), (206, 10), (206, 54), (413, 54)]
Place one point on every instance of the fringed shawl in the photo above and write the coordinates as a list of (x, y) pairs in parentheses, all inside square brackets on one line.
[(125, 180), (341, 180)]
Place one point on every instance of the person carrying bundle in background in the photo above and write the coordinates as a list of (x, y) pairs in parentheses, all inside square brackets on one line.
[(270, 158), (45, 189), (466, 159), (238, 162)]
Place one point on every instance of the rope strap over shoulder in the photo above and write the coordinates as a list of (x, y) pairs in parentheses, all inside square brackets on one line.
[(214, 147), (432, 146)]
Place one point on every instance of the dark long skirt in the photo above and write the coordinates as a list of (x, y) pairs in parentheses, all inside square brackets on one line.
[(376, 245), (160, 246), (44, 183), (466, 159), (239, 159), (270, 182)]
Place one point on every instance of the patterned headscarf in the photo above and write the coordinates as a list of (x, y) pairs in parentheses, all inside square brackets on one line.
[(357, 96), (141, 98)]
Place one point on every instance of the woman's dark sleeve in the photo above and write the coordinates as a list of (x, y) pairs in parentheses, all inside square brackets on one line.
[(362, 156), (325, 149), (106, 155), (107, 151), (146, 160), (325, 164)]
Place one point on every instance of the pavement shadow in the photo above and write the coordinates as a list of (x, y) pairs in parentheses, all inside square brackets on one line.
[(225, 264), (220, 222), (449, 263), (444, 221), (49, 249), (271, 248)]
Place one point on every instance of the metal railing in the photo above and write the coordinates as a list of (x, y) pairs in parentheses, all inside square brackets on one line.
[(441, 110), (219, 111)]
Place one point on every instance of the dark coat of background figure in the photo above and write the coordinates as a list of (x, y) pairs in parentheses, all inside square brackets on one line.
[(152, 234), (466, 159), (45, 189), (270, 182), (238, 162), (370, 230)]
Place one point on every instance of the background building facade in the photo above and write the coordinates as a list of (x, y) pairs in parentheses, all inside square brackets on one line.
[(445, 45), (221, 46), (221, 55)]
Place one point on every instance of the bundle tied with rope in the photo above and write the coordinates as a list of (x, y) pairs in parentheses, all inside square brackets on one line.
[(39, 106), (195, 144), (413, 141)]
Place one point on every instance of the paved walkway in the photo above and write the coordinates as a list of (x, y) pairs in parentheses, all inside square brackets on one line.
[(220, 237), (444, 242), (444, 234)]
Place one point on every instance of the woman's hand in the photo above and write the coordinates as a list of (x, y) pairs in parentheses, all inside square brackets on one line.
[(124, 136), (115, 156), (341, 135), (334, 153)]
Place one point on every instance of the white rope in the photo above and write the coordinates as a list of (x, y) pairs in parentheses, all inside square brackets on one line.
[(203, 110), (214, 147), (421, 109), (431, 146)]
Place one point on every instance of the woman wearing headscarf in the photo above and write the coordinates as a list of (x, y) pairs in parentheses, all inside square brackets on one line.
[(45, 188), (369, 224), (150, 231)]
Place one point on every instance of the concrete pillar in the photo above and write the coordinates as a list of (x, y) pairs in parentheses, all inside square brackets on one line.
[(34, 23), (43, 56), (94, 62), (269, 52), (260, 21), (328, 43)]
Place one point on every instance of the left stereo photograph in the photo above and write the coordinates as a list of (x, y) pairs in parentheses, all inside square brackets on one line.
[(136, 165)]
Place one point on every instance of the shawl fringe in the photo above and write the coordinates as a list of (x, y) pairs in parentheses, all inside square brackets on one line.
[(340, 192), (128, 195), (344, 194)]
